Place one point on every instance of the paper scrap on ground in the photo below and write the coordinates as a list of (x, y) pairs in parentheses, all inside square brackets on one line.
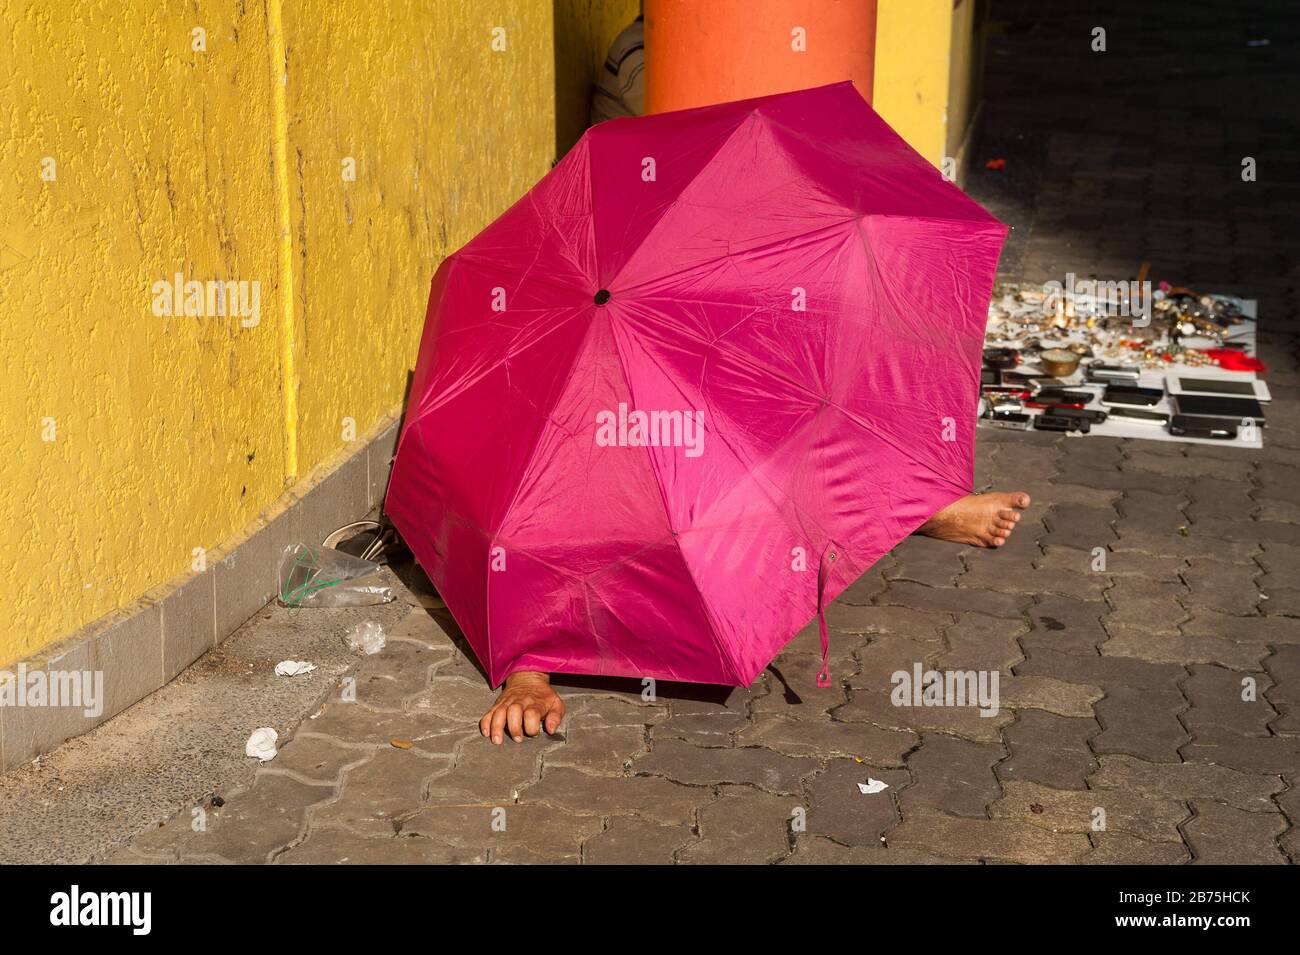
[(293, 667), (261, 745), (367, 637), (872, 786)]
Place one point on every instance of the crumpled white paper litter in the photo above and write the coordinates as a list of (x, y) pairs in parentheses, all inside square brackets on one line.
[(293, 667), (261, 745), (872, 786)]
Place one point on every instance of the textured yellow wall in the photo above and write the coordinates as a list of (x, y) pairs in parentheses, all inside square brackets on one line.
[(131, 439), (913, 46)]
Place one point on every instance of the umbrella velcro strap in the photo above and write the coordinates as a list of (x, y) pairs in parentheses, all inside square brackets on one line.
[(829, 556)]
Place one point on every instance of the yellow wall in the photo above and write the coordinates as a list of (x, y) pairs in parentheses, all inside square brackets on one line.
[(172, 433), (913, 52)]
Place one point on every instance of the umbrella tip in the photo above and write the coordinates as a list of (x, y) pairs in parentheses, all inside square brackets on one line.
[(602, 296)]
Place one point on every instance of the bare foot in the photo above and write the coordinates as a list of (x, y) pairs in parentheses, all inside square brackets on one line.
[(981, 520), (526, 705)]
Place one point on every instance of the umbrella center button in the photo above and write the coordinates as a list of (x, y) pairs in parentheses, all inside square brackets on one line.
[(602, 296)]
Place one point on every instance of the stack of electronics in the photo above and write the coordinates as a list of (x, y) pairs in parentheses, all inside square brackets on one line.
[(1205, 405)]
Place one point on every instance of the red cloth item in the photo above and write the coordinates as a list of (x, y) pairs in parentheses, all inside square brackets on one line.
[(1230, 359)]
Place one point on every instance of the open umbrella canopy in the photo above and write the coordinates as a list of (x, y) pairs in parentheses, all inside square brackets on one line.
[(693, 384)]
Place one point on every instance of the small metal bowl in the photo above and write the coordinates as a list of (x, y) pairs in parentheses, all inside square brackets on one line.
[(1059, 362)]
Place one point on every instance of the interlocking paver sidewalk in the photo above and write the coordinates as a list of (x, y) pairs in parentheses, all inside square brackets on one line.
[(1150, 707)]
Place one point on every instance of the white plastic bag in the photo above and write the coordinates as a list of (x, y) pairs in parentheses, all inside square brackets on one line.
[(366, 638), (324, 577)]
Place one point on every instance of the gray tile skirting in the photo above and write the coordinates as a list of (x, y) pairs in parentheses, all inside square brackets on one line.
[(144, 646)]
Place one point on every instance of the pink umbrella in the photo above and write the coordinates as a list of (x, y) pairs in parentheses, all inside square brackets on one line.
[(693, 384)]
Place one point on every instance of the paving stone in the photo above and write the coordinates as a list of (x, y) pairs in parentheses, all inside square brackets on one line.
[(257, 822), (1150, 818), (1287, 722), (1216, 697), (1283, 668), (1034, 580), (1065, 624), (953, 775), (1286, 512), (842, 812), (866, 588), (1185, 781), (1153, 511), (1000, 840), (1189, 467), (1223, 835), (629, 840), (651, 797), (486, 773), (875, 707), (1250, 754), (741, 827), (1113, 479), (376, 793), (1279, 601), (1260, 630), (695, 765), (1117, 563), (385, 680), (606, 749), (1072, 493), (871, 744), (1049, 749), (524, 834), (1249, 532), (818, 850), (1281, 560), (887, 654), (980, 642), (337, 847), (315, 759), (600, 711), (356, 726), (705, 729), (1120, 848), (1213, 497), (1050, 694), (1192, 544), (955, 599), (1148, 604), (1182, 648), (1141, 722), (926, 561), (1228, 588), (454, 700), (1072, 525)]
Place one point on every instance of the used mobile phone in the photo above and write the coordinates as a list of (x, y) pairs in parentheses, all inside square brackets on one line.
[(1125, 395), (1047, 397), (1214, 406), (1091, 415), (1139, 414), (1017, 420), (1192, 427), (1058, 422), (1108, 372)]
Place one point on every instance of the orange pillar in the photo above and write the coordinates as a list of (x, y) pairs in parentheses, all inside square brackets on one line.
[(700, 52)]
